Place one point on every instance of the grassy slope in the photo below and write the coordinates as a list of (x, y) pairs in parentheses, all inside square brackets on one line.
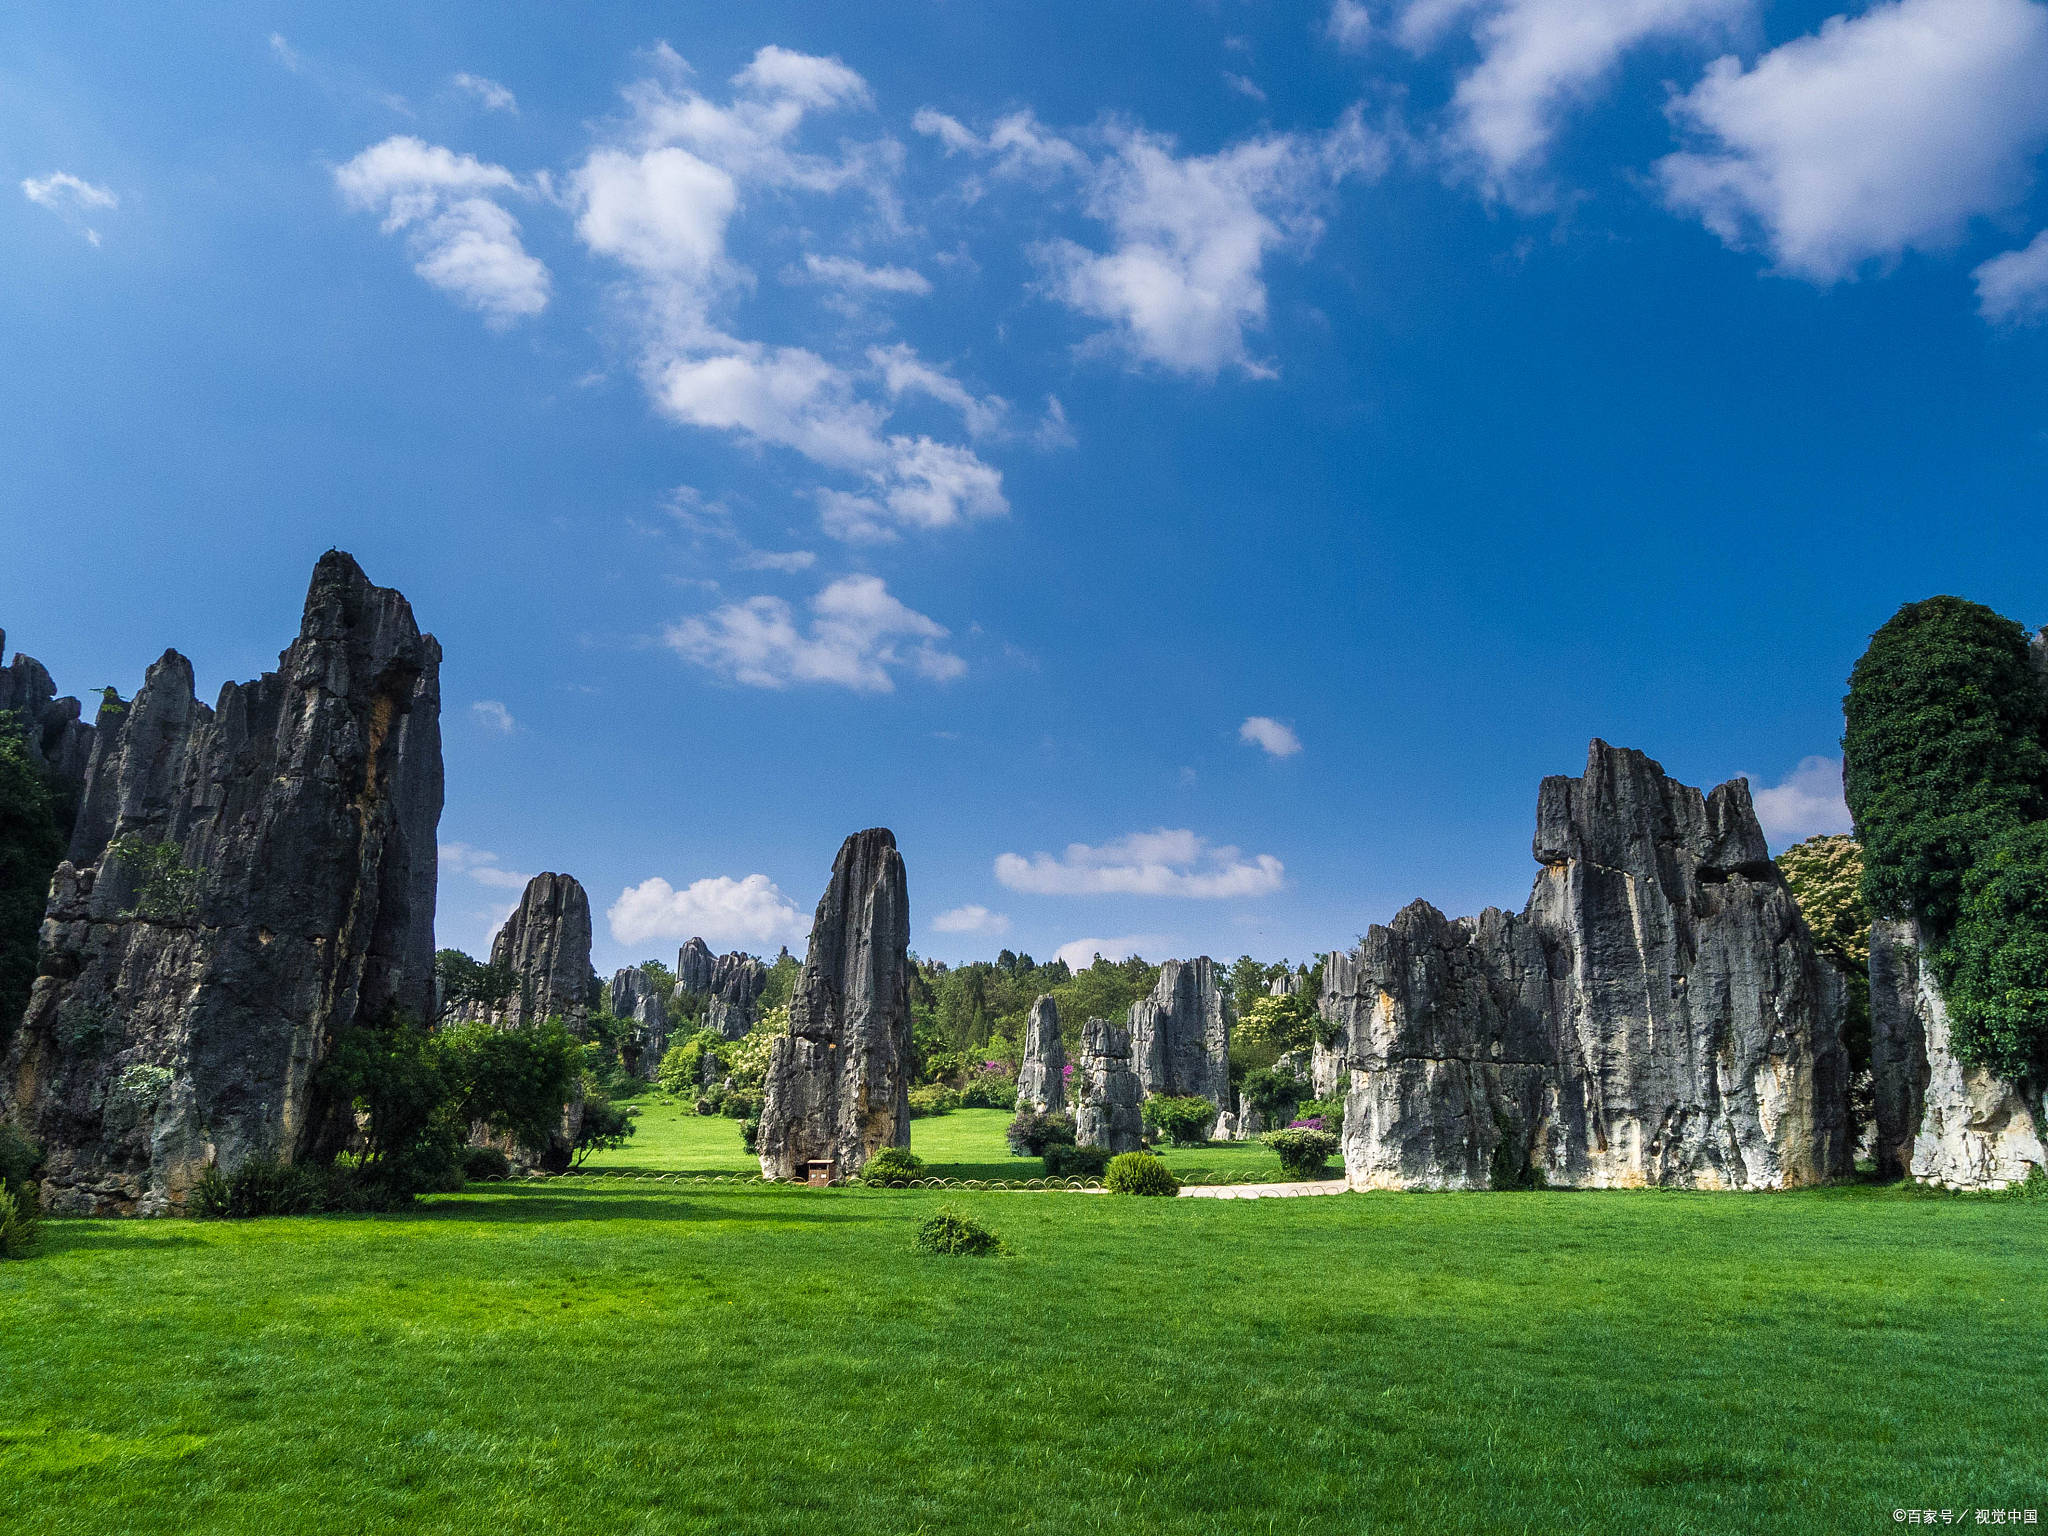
[(618, 1358), (966, 1144)]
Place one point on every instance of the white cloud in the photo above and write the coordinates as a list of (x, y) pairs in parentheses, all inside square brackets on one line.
[(1244, 85), (480, 865), (285, 53), (859, 636), (2013, 288), (845, 272), (1268, 734), (1881, 133), (904, 372), (720, 910), (1349, 25), (1161, 863), (1079, 954), (713, 520), (971, 919), (1183, 280), (495, 715), (493, 96), (1805, 803), (70, 198), (462, 241)]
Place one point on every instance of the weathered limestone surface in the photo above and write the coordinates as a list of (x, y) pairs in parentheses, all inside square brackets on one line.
[(57, 737), (1180, 1037), (635, 1000), (693, 967), (1108, 1114), (546, 943), (1656, 1015), (1937, 1119), (737, 982), (1042, 1079), (166, 1034), (838, 1084)]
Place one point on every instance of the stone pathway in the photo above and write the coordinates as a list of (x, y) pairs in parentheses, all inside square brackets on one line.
[(1262, 1191)]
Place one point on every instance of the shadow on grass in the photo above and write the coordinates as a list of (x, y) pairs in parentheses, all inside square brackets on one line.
[(519, 1205), (98, 1235)]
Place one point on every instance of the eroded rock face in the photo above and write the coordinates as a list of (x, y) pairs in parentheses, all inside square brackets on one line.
[(838, 1084), (1042, 1078), (1180, 1037), (546, 943), (635, 1000), (1937, 1119), (737, 982), (1657, 1015), (694, 963), (1108, 1114), (179, 1022), (58, 738)]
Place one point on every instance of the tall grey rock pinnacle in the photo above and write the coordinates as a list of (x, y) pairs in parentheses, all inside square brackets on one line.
[(1180, 1037), (838, 1084), (1657, 1014), (636, 1002), (1108, 1114), (1042, 1078), (546, 945), (244, 883)]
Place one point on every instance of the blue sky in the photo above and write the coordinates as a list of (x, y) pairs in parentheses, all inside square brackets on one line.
[(1189, 468)]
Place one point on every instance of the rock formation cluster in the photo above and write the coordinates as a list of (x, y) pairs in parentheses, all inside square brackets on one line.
[(694, 962), (1042, 1077), (1657, 1014), (58, 739), (1180, 1037), (837, 1086), (1108, 1114), (243, 884), (637, 1003), (730, 986), (546, 945)]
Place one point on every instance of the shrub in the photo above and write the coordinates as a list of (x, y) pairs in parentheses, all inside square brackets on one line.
[(739, 1106), (950, 1232), (750, 1132), (892, 1168), (1273, 1092), (605, 1125), (18, 1226), (688, 1066), (483, 1164), (1327, 1114), (932, 1099), (989, 1093), (1069, 1162), (1033, 1132), (1139, 1173), (265, 1187), (21, 1161), (1186, 1122), (1303, 1152)]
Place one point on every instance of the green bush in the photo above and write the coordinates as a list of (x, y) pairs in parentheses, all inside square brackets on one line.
[(689, 1065), (21, 1161), (1071, 1162), (19, 1226), (1033, 1133), (932, 1099), (892, 1168), (989, 1093), (1139, 1173), (1186, 1122), (1995, 964), (739, 1106), (265, 1187), (482, 1165), (750, 1133), (1303, 1152), (1330, 1111), (606, 1124), (950, 1232), (1273, 1092)]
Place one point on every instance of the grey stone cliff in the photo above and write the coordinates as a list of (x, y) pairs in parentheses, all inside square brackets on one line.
[(693, 967), (58, 738), (180, 1027), (737, 982), (1180, 1037), (636, 1002), (838, 1084), (546, 944), (1657, 1014), (1108, 1114), (1042, 1078)]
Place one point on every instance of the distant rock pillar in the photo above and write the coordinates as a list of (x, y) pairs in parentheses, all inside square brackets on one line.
[(1042, 1079), (1108, 1115)]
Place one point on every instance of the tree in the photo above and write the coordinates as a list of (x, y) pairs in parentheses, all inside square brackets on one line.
[(463, 981), (605, 1125), (1825, 876), (30, 850)]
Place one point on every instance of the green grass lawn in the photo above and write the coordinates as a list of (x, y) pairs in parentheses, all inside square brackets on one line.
[(966, 1144), (606, 1357)]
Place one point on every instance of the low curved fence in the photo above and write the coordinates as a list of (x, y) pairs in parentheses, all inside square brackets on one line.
[(755, 1181)]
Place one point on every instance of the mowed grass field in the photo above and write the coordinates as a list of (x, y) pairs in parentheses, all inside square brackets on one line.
[(621, 1356)]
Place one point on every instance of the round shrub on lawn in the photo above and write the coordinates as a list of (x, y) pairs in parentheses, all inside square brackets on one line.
[(1069, 1162), (893, 1167), (1303, 1151), (483, 1164), (1139, 1173), (952, 1233)]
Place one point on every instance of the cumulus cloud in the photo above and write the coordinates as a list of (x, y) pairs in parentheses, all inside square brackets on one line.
[(493, 96), (720, 910), (1182, 282), (1244, 85), (1881, 133), (462, 241), (70, 197), (971, 919), (859, 637), (2013, 288), (905, 373), (1348, 25), (1805, 803), (1270, 736), (495, 715), (480, 865), (1540, 58), (844, 272), (1160, 863), (1079, 954)]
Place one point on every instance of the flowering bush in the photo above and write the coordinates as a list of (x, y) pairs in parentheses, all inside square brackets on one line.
[(1312, 1123)]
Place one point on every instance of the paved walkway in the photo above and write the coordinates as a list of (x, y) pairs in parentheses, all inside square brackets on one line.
[(1262, 1191)]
